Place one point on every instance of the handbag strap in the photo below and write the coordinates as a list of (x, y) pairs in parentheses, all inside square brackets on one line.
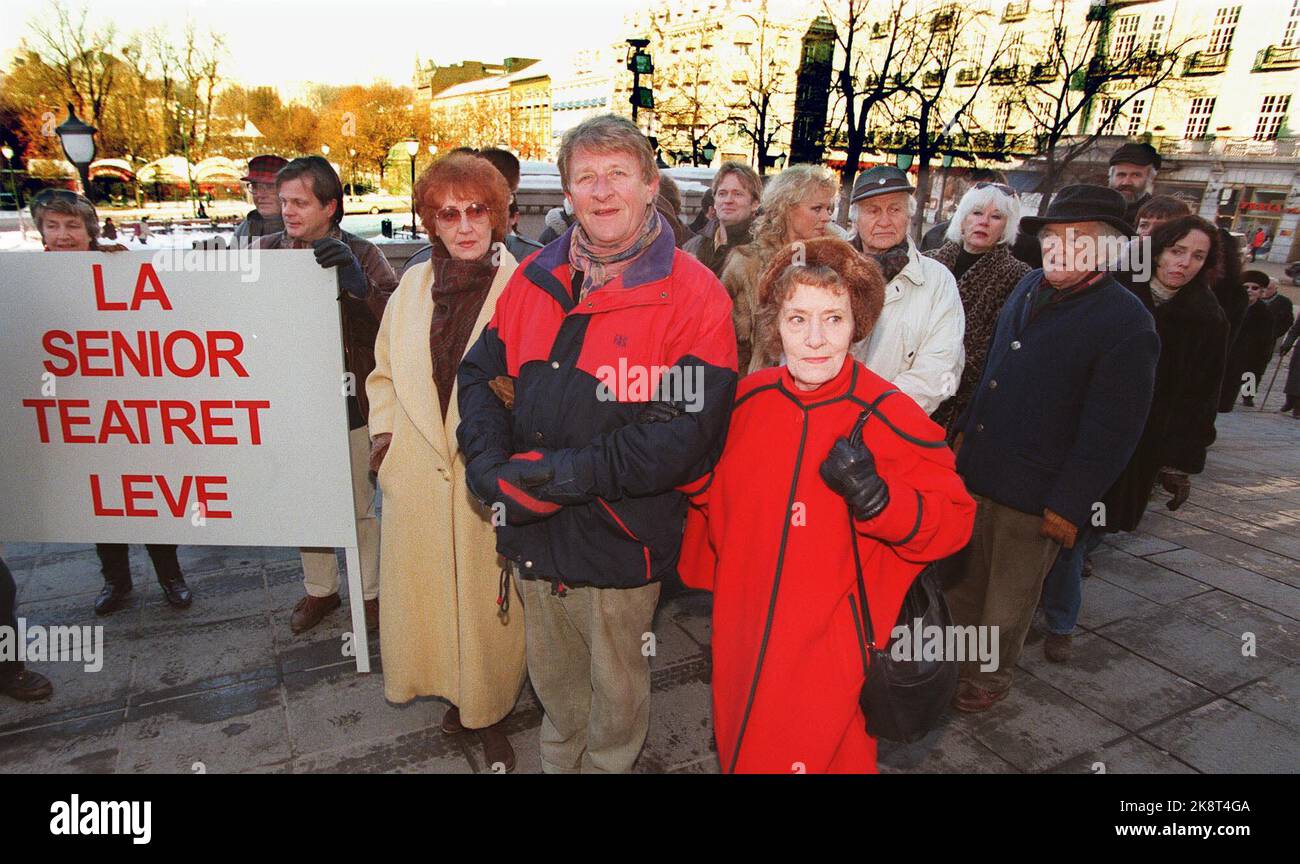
[(868, 630)]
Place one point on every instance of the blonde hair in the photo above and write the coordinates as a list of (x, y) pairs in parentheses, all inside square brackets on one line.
[(783, 192)]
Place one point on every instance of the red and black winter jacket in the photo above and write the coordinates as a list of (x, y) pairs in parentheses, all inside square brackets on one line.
[(583, 373)]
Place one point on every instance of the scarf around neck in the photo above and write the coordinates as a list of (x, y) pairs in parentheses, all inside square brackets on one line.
[(1159, 293), (601, 264), (892, 260)]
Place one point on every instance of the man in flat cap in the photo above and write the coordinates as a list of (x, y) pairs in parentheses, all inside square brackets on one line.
[(917, 343), (264, 218), (1133, 174)]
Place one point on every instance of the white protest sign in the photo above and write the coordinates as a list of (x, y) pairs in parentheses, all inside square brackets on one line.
[(179, 400)]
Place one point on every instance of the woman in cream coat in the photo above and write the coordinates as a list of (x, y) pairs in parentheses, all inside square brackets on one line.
[(448, 625)]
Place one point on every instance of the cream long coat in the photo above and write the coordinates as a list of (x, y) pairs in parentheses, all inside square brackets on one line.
[(440, 633)]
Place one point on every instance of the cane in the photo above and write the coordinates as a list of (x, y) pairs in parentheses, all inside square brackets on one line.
[(1276, 370)]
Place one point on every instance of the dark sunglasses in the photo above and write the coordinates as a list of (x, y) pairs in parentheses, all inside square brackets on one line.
[(1001, 187), (449, 217)]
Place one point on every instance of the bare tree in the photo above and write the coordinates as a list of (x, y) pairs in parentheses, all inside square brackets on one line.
[(1070, 86), (82, 58), (760, 81), (692, 108)]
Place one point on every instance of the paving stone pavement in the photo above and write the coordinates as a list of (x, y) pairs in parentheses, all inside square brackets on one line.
[(1160, 681)]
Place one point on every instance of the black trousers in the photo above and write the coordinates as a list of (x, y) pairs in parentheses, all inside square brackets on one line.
[(9, 618), (115, 561)]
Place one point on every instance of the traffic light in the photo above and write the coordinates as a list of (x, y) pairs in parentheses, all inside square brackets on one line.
[(643, 97), (641, 64)]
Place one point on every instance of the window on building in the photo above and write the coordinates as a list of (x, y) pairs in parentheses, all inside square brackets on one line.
[(1225, 26), (1002, 118), (1292, 25), (1013, 49), (1137, 111), (1156, 43), (977, 47), (1272, 114), (1126, 28), (1107, 115), (1198, 117)]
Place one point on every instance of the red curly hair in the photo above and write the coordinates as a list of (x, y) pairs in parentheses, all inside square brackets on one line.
[(824, 262), (459, 175)]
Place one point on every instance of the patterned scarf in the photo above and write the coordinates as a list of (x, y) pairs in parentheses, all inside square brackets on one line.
[(892, 260), (601, 264), (459, 290)]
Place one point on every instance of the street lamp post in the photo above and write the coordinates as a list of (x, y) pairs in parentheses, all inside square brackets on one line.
[(9, 168), (412, 147), (352, 171), (78, 140)]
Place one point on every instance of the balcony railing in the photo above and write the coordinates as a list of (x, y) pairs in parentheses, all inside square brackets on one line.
[(968, 76), (1205, 63), (1041, 73), (1277, 57), (930, 79), (1004, 75), (1015, 12)]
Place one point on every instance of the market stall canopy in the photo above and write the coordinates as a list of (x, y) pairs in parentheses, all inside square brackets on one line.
[(169, 169), (113, 169), (218, 169), (51, 169)]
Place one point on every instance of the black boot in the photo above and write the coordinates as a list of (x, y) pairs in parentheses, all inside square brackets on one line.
[(115, 563), (175, 590)]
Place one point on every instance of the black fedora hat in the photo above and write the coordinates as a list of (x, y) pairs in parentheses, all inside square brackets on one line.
[(1081, 202), (880, 180), (1136, 153)]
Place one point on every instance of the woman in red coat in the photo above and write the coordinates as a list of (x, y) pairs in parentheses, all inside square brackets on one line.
[(769, 530)]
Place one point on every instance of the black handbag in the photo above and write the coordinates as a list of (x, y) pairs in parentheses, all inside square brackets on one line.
[(903, 699)]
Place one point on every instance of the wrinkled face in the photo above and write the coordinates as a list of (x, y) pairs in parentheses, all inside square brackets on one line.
[(1269, 291), (1179, 263), (305, 217), (816, 326), (732, 202), (464, 226), (809, 218), (1130, 180), (882, 220), (64, 232), (982, 229), (609, 195), (264, 199), (1070, 252)]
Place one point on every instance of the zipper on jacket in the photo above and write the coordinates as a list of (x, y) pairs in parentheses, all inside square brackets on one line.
[(776, 586), (645, 550)]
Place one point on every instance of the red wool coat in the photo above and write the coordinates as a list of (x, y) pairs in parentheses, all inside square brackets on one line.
[(772, 541)]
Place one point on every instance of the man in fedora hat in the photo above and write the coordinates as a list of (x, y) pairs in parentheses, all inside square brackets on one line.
[(264, 218), (1058, 412), (917, 343), (1132, 174)]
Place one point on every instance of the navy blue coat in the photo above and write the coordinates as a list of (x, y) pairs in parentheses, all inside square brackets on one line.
[(1062, 401)]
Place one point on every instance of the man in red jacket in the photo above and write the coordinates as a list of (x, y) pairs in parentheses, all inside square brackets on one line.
[(603, 381)]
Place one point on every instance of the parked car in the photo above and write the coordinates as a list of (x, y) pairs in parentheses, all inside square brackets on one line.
[(1293, 272), (375, 202)]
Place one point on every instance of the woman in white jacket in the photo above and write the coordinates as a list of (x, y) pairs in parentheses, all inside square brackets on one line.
[(917, 343)]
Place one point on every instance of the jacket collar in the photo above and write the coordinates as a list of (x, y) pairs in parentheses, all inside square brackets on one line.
[(550, 269)]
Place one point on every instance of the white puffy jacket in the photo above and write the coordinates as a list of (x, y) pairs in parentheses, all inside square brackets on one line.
[(917, 343)]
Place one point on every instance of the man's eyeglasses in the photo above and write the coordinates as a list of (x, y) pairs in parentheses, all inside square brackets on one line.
[(449, 217), (1001, 187)]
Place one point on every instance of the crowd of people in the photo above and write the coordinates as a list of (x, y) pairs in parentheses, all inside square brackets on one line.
[(834, 410)]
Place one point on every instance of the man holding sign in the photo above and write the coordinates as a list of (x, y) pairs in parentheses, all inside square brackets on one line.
[(311, 203), (68, 223)]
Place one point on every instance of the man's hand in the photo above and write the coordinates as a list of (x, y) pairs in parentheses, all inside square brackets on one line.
[(518, 482), (850, 471), (379, 449), (1058, 528), (556, 474), (332, 252), (504, 388), (1176, 483)]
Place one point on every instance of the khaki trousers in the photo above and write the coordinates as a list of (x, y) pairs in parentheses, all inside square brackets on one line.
[(1006, 564), (320, 568), (586, 662)]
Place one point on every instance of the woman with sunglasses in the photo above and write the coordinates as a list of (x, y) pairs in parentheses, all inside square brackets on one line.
[(447, 626), (978, 253)]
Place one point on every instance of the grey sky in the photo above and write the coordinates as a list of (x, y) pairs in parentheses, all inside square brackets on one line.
[(287, 42)]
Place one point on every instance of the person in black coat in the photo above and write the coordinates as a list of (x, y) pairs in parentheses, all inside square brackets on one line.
[(1292, 387), (1250, 353), (1280, 307), (1179, 427), (1228, 289)]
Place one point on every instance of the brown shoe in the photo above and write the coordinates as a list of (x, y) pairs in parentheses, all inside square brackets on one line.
[(497, 752), (28, 686), (372, 614), (451, 722), (972, 700), (1058, 647), (310, 610)]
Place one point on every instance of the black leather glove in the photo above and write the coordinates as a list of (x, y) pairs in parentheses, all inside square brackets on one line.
[(850, 471), (481, 474), (332, 252), (1176, 483), (659, 412), (565, 482), (506, 482)]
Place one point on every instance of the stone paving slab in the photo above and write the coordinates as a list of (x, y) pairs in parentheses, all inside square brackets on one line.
[(1223, 738)]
